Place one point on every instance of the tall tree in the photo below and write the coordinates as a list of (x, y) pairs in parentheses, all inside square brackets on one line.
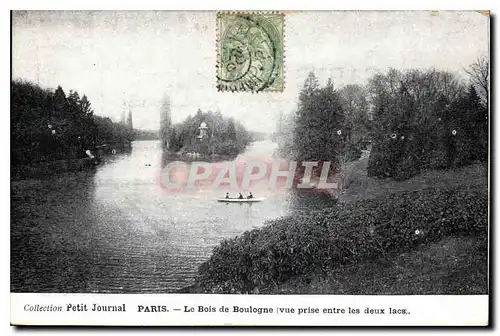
[(174, 143), (130, 124), (60, 103), (355, 104), (319, 129), (123, 117), (230, 134), (86, 106), (74, 107), (165, 121), (479, 73)]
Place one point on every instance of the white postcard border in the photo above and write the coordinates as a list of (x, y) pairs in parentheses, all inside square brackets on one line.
[(253, 310), (456, 303)]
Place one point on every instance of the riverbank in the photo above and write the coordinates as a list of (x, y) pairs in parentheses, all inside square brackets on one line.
[(51, 168), (192, 156), (410, 221), (42, 169)]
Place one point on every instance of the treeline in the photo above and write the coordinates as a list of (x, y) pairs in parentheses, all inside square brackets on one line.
[(414, 120), (425, 120), (146, 135), (51, 125), (329, 124), (223, 136)]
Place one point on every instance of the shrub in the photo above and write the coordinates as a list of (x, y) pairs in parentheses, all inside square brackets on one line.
[(352, 152), (227, 147), (408, 167), (378, 164), (437, 159), (351, 233)]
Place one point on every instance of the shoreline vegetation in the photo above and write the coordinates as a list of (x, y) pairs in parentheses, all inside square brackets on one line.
[(206, 135), (327, 251), (41, 169), (53, 132), (411, 149)]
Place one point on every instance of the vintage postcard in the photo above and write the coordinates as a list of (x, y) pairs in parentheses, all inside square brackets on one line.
[(250, 168)]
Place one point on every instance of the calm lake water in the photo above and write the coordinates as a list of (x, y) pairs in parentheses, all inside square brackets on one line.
[(116, 229)]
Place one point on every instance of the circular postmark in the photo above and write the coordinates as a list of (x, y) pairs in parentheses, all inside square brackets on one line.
[(250, 53)]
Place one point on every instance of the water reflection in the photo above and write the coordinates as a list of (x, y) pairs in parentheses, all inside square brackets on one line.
[(119, 230), (51, 233)]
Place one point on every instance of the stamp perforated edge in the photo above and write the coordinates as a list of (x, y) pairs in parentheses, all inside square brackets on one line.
[(217, 48)]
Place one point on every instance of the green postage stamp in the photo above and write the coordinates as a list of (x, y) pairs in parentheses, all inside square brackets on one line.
[(250, 52)]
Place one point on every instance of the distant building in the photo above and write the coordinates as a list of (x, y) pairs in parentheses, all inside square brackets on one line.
[(203, 131)]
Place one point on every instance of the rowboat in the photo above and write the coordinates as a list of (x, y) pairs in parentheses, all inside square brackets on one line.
[(240, 200)]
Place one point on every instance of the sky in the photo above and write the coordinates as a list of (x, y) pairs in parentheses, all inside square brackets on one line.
[(137, 57)]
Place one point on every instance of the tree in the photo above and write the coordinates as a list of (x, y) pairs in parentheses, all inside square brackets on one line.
[(130, 125), (60, 103), (284, 135), (479, 75), (173, 142), (123, 117), (226, 136), (424, 120), (230, 133), (318, 133), (311, 85), (86, 106), (470, 125), (165, 122), (47, 125), (74, 107), (357, 124)]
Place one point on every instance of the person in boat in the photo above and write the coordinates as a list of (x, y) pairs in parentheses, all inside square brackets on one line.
[(240, 196), (250, 195), (227, 195)]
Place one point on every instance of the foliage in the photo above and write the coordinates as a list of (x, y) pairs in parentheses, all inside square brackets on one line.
[(329, 125), (146, 135), (109, 132), (50, 125), (319, 123), (284, 135), (424, 120), (479, 73), (350, 233), (352, 152), (225, 136), (168, 140), (415, 120), (356, 108)]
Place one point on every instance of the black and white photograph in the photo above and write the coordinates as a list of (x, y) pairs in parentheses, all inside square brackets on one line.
[(255, 156)]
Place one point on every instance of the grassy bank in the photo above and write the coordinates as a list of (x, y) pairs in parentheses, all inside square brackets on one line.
[(451, 266), (288, 254)]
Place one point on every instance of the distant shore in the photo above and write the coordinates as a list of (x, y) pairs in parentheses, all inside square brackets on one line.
[(187, 156)]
